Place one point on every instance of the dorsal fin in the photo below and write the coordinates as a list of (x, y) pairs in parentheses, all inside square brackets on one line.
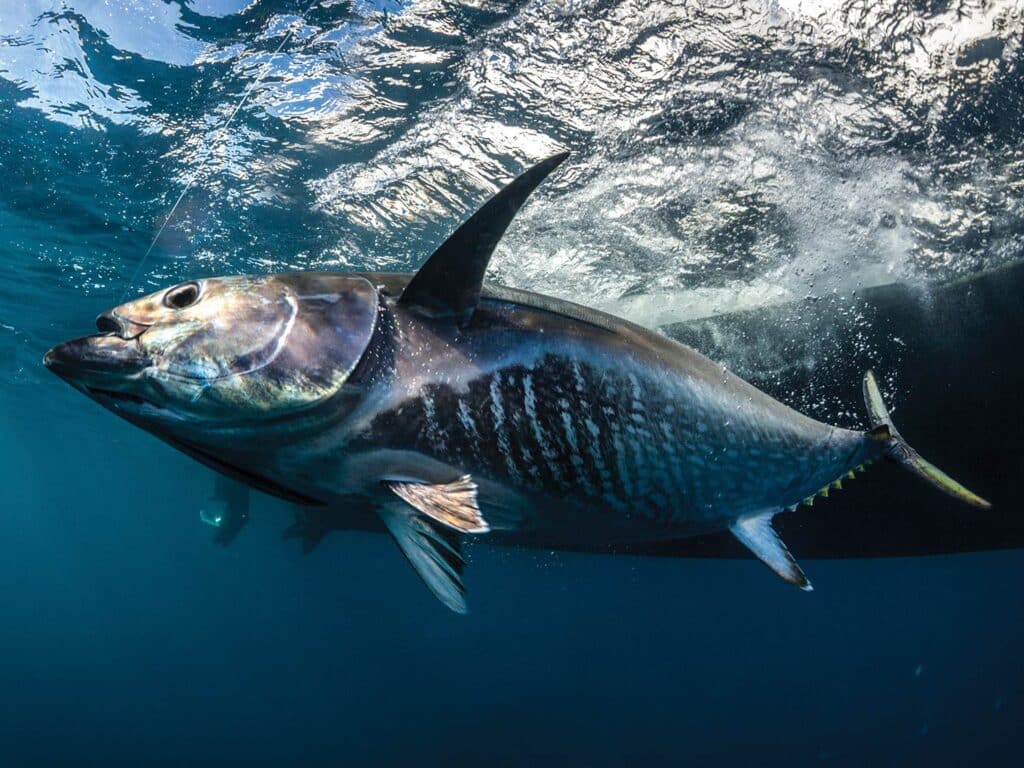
[(448, 284)]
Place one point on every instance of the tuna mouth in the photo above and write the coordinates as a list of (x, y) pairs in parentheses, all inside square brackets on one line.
[(126, 397), (96, 360), (104, 367)]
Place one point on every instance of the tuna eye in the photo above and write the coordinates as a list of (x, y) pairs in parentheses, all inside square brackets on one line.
[(182, 296)]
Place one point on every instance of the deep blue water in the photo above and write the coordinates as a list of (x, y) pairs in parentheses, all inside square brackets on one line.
[(725, 157)]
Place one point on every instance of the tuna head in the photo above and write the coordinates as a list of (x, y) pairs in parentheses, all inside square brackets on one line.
[(217, 354)]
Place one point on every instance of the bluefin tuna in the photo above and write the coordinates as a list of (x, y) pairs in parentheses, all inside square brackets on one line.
[(454, 409)]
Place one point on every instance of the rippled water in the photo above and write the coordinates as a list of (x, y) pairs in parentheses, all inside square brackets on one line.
[(726, 155)]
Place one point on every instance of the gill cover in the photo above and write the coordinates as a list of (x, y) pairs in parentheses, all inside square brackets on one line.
[(334, 323), (261, 344)]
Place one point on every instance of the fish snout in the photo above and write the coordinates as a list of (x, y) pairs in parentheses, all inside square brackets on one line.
[(96, 360)]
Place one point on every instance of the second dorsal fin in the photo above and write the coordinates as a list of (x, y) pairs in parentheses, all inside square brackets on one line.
[(448, 284)]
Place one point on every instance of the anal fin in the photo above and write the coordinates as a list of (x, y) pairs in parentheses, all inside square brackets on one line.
[(758, 535), (432, 549)]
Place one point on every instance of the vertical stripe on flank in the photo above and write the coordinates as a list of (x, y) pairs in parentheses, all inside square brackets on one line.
[(500, 429), (530, 402)]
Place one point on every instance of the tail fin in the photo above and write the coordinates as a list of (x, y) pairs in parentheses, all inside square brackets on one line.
[(900, 451)]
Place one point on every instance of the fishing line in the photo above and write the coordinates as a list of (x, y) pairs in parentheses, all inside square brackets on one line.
[(202, 164)]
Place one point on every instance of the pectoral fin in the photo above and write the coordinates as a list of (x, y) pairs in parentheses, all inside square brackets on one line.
[(432, 549), (452, 504), (757, 534)]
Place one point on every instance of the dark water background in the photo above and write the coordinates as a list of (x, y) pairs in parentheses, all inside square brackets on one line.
[(726, 156)]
